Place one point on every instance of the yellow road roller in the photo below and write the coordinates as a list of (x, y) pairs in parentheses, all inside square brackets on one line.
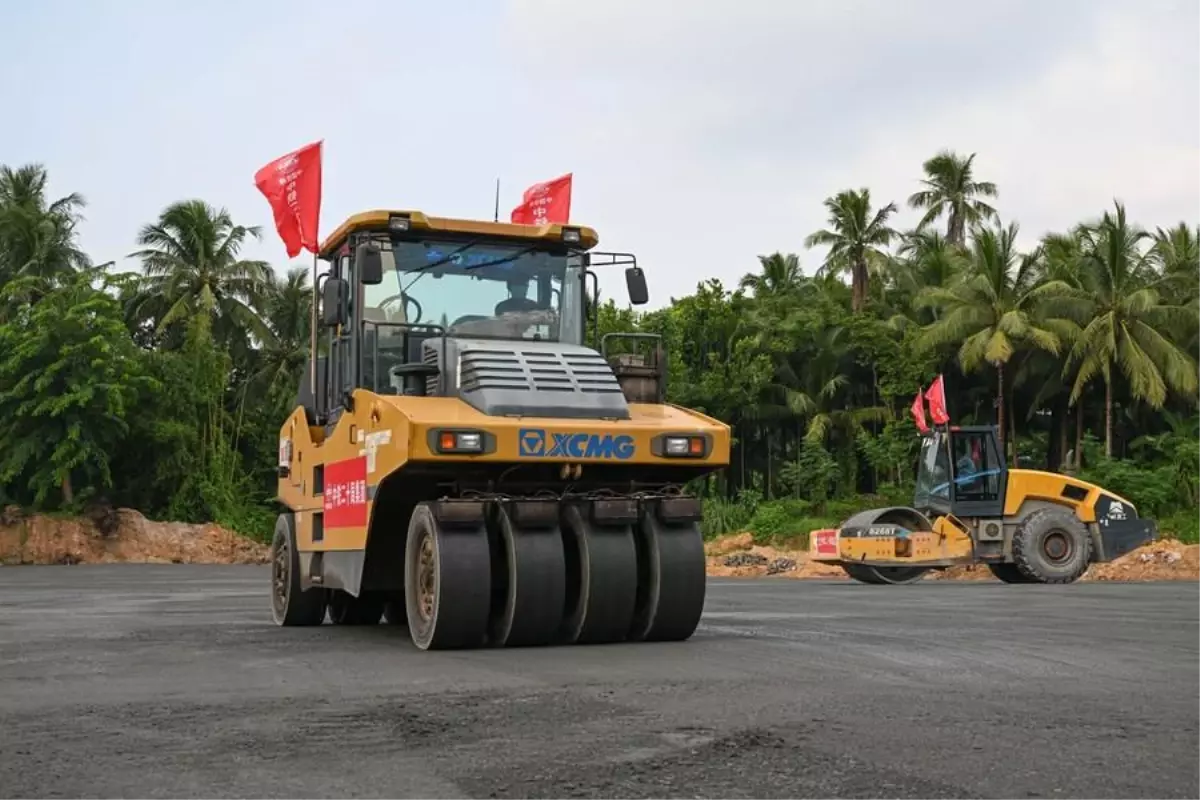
[(468, 458), (1027, 526)]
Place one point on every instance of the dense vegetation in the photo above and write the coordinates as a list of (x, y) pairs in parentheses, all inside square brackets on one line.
[(165, 390)]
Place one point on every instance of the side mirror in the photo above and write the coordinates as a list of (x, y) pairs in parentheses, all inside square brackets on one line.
[(335, 296), (368, 259), (635, 282)]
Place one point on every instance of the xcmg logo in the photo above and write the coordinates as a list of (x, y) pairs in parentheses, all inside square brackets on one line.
[(537, 443)]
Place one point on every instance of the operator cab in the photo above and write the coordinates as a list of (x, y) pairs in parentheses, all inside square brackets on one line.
[(960, 472), (399, 279)]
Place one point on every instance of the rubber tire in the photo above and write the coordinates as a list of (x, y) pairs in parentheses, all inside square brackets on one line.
[(602, 576), (1027, 546), (533, 579), (299, 607), (672, 581), (867, 573), (346, 609), (1008, 573), (462, 584)]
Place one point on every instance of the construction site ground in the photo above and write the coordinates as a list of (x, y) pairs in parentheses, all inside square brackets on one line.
[(148, 680)]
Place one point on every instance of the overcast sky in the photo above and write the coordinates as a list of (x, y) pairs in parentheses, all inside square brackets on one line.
[(701, 134)]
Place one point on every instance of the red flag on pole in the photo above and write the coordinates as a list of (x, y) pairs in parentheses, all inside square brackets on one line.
[(918, 412), (936, 395), (549, 201), (292, 185)]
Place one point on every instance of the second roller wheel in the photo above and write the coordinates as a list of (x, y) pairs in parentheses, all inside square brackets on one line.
[(671, 580)]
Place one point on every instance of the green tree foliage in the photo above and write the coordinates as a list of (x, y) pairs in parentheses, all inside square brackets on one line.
[(165, 390)]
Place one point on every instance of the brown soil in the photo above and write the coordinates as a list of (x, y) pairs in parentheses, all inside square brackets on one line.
[(738, 556), (120, 535)]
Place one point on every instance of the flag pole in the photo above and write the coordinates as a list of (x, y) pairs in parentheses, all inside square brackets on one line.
[(312, 334), (497, 217)]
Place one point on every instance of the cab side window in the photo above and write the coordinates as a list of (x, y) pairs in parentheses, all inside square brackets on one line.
[(976, 468)]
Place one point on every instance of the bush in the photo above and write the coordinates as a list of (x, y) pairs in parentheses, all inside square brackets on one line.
[(786, 520), (1182, 525)]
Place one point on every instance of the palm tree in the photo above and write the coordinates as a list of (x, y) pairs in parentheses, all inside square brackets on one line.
[(952, 190), (190, 258), (288, 306), (855, 237), (996, 308), (924, 258), (37, 236), (1127, 324), (779, 274), (1176, 252)]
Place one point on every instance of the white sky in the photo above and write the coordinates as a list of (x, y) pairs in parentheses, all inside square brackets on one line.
[(701, 134)]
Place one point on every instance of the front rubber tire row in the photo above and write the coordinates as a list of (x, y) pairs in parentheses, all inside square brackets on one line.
[(570, 582)]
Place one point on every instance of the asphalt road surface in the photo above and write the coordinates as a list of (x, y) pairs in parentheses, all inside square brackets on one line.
[(171, 681)]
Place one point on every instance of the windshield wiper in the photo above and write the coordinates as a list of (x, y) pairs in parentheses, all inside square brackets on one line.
[(443, 260)]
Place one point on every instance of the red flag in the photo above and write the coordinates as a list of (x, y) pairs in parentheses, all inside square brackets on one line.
[(292, 185), (549, 201), (936, 395), (918, 412)]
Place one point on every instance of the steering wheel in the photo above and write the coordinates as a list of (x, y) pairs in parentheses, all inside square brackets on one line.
[(406, 299)]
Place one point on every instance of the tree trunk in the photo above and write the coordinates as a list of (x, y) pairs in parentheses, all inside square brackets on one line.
[(1000, 412), (954, 228), (858, 288), (68, 492), (1079, 436), (1012, 427), (1108, 418), (1061, 461)]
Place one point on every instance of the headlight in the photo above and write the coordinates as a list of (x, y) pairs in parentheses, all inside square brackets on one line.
[(570, 235), (683, 446), (460, 442), (399, 223)]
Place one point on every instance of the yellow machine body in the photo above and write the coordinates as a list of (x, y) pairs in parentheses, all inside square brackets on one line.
[(389, 433)]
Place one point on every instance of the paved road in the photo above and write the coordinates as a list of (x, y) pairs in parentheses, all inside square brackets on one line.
[(171, 681)]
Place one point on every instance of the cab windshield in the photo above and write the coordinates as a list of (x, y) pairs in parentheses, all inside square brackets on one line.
[(485, 289), (933, 471)]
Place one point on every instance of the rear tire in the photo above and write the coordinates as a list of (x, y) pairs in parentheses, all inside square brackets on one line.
[(866, 573), (447, 583), (346, 609), (1052, 546), (290, 604), (671, 581), (602, 580)]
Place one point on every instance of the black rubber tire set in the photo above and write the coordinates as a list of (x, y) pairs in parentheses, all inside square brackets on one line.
[(570, 581)]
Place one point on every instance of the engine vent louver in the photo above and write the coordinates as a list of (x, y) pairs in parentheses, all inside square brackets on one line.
[(429, 355), (538, 371), (533, 379)]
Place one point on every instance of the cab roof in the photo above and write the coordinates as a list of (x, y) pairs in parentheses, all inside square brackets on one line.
[(419, 222)]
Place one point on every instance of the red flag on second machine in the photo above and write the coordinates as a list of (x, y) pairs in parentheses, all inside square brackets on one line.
[(549, 201), (936, 395), (292, 185), (918, 412)]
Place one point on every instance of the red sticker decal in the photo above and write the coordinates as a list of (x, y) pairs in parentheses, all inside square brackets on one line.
[(826, 541), (346, 493)]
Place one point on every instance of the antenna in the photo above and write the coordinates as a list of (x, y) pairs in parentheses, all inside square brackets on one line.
[(497, 218)]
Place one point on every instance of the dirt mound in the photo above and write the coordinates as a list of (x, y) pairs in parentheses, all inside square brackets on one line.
[(119, 535), (738, 556)]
